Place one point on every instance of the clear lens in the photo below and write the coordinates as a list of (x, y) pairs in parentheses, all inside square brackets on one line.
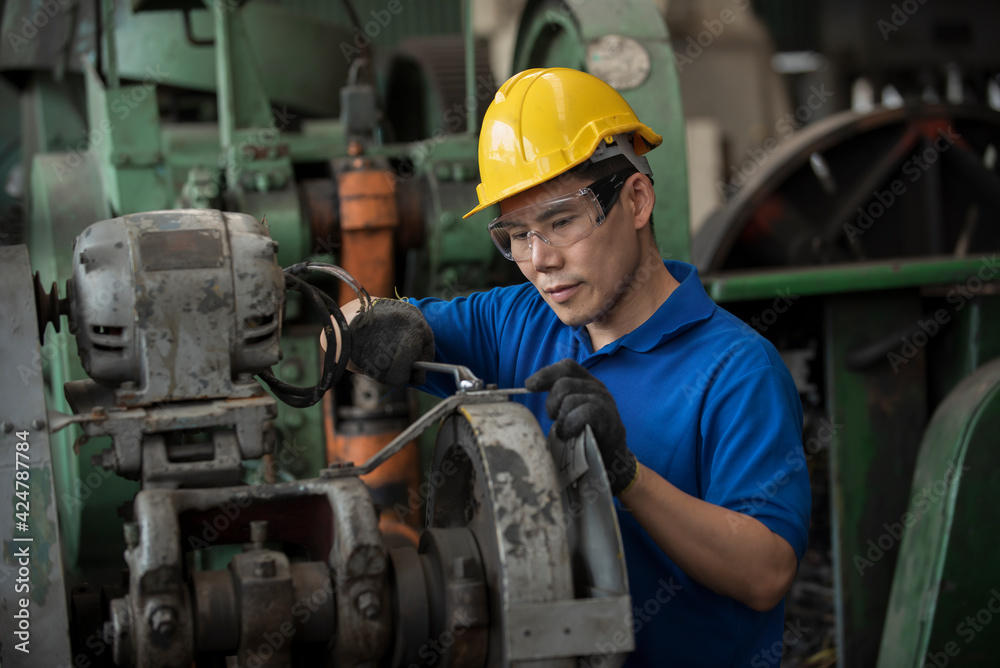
[(558, 222)]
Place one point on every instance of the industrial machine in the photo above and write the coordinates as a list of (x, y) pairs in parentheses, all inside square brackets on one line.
[(861, 245), (295, 119), (247, 531), (174, 312)]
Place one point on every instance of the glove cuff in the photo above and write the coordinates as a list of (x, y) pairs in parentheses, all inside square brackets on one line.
[(622, 482)]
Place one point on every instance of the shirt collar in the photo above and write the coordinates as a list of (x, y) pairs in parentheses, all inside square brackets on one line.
[(686, 306)]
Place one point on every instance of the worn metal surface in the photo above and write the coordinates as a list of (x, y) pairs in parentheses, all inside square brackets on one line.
[(177, 303), (222, 617), (131, 429), (556, 34), (216, 615), (456, 591), (360, 563), (35, 629), (541, 554), (945, 592), (344, 587), (500, 482), (568, 628), (263, 580), (411, 622), (218, 464)]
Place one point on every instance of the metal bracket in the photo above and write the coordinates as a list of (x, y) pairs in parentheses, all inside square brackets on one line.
[(571, 456), (570, 628), (471, 394)]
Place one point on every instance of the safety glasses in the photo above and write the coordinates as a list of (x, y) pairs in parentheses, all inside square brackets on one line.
[(559, 222)]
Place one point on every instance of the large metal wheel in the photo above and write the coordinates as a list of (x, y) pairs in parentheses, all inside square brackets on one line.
[(547, 535), (892, 183)]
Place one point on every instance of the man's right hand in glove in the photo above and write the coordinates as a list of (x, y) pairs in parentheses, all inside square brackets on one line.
[(387, 339)]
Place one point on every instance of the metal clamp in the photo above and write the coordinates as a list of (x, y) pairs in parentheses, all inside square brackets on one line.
[(465, 380), (470, 392)]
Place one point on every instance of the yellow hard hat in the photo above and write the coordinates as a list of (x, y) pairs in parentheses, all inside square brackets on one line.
[(543, 122)]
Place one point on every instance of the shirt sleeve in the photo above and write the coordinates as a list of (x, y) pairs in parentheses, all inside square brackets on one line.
[(752, 458), (465, 332)]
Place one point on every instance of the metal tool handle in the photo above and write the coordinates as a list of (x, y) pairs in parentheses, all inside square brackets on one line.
[(464, 378)]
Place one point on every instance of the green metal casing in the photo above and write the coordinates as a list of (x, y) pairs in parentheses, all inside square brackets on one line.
[(946, 591)]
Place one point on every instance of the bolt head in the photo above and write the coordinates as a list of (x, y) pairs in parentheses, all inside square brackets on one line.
[(368, 605), (163, 620), (264, 567)]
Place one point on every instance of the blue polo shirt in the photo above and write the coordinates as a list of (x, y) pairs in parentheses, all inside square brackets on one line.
[(707, 403)]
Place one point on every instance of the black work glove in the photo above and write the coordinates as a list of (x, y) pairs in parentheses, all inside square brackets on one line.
[(577, 399), (388, 338)]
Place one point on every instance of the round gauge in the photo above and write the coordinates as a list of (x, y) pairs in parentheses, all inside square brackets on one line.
[(620, 61)]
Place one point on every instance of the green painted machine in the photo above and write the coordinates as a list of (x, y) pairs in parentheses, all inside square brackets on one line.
[(881, 297)]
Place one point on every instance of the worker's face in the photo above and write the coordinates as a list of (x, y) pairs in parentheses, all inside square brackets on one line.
[(582, 282)]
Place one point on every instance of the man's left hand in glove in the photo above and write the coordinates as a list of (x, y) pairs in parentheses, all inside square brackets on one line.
[(577, 399)]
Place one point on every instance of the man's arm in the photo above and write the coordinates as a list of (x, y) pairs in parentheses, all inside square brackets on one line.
[(731, 553)]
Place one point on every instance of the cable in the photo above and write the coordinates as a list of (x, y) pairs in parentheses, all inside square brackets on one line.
[(334, 270), (334, 365)]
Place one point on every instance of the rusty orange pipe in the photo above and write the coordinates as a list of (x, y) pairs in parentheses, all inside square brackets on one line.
[(369, 218)]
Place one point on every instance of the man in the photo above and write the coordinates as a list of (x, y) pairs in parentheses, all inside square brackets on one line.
[(696, 417)]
